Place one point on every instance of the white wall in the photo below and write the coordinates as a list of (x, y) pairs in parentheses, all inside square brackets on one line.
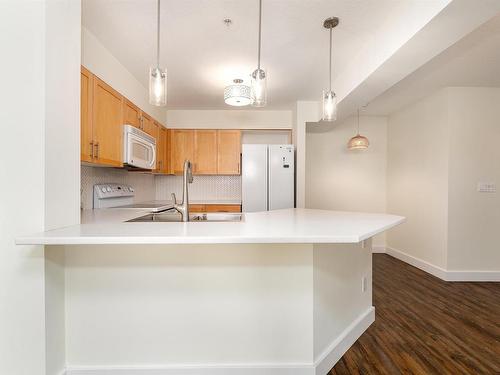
[(62, 174), (22, 114), (474, 217), (339, 179), (417, 178), (304, 112), (229, 119), (439, 149), (101, 62)]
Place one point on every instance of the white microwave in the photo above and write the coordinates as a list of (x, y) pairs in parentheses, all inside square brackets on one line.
[(139, 148)]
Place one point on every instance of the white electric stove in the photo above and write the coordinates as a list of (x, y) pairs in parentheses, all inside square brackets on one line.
[(113, 195)]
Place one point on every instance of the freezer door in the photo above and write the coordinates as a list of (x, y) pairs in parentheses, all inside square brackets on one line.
[(281, 177), (254, 177)]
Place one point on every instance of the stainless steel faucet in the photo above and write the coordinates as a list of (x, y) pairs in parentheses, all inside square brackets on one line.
[(183, 208)]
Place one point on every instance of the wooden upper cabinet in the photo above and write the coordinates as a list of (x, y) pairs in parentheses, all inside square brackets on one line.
[(86, 140), (131, 114), (229, 150), (182, 148), (149, 125), (162, 159), (107, 121), (205, 152)]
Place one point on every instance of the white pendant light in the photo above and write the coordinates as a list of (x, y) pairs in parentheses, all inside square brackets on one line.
[(358, 142), (259, 79), (329, 98), (157, 75), (237, 94)]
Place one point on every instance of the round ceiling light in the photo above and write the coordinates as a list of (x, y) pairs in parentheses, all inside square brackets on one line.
[(238, 94)]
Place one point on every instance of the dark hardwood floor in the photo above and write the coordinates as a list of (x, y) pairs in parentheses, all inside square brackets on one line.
[(424, 325)]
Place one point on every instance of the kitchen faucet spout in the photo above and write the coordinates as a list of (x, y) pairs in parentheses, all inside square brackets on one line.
[(183, 207)]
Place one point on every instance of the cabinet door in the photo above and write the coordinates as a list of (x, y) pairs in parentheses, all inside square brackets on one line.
[(131, 114), (149, 125), (107, 122), (205, 151), (229, 150), (223, 208), (86, 141), (182, 148), (161, 151)]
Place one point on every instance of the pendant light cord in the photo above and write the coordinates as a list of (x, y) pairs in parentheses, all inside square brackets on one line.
[(331, 30), (358, 121), (158, 37), (260, 27)]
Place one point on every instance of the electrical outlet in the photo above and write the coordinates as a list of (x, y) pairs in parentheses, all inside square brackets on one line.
[(486, 187), (364, 284)]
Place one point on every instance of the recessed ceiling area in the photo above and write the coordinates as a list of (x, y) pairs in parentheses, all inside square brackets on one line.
[(473, 61), (203, 55)]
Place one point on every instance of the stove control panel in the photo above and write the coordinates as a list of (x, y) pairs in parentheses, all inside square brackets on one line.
[(112, 195), (106, 191)]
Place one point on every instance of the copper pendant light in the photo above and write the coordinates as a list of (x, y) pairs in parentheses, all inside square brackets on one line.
[(358, 142)]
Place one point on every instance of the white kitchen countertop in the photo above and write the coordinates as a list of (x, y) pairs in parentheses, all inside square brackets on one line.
[(295, 225)]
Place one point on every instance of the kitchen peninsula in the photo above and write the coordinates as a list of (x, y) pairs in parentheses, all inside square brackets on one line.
[(279, 292)]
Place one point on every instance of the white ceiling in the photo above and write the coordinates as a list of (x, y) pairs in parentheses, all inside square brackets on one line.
[(472, 61), (202, 55)]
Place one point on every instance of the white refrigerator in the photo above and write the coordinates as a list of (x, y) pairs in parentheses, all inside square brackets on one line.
[(268, 177)]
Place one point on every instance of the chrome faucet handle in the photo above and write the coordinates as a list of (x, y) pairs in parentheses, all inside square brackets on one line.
[(174, 198)]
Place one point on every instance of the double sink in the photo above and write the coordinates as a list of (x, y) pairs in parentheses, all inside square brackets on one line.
[(174, 216)]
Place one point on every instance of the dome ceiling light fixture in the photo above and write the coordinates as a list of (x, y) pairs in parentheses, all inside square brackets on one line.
[(258, 83), (157, 75), (358, 142), (329, 98), (237, 94)]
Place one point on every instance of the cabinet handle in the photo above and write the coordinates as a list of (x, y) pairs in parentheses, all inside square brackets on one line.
[(97, 150), (91, 150)]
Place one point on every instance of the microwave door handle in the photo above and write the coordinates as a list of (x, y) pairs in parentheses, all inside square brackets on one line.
[(152, 164)]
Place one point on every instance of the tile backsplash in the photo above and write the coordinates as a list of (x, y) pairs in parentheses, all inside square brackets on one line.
[(149, 187), (203, 187)]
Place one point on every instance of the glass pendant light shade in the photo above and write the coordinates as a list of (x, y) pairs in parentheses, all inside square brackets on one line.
[(358, 142), (157, 86), (259, 89), (238, 94), (329, 105)]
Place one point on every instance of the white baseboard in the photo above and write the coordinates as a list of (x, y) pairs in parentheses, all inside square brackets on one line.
[(331, 355), (244, 369), (416, 262), (322, 365), (378, 249), (441, 273), (493, 276)]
